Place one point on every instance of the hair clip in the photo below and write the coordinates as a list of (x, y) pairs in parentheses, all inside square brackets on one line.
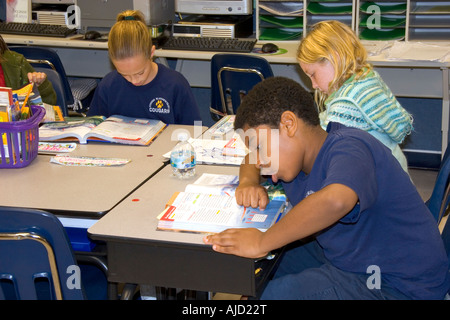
[(129, 18)]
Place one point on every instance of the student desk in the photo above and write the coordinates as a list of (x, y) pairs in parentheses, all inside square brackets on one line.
[(85, 192), (79, 196), (138, 253)]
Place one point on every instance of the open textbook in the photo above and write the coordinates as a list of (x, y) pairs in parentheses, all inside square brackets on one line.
[(209, 206), (117, 129), (209, 151)]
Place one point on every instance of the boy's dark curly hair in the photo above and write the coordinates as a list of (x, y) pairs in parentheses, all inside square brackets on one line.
[(264, 104)]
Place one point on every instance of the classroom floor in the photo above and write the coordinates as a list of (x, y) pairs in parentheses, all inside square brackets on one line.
[(424, 181)]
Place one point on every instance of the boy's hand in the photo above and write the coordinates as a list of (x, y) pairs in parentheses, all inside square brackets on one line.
[(251, 195), (241, 242)]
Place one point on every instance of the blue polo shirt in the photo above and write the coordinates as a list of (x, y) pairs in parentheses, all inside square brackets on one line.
[(390, 227), (168, 97)]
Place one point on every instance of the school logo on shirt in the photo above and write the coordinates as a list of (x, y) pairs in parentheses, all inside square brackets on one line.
[(159, 105)]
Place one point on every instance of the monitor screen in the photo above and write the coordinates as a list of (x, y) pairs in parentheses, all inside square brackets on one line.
[(214, 7)]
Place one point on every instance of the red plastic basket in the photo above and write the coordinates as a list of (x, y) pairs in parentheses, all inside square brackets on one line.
[(20, 140)]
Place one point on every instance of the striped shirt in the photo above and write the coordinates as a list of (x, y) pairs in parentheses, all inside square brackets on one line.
[(368, 104)]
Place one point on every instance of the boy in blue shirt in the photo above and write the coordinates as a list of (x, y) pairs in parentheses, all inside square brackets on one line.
[(139, 87), (370, 235)]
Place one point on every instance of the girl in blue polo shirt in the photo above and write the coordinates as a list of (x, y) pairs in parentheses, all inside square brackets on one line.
[(139, 87)]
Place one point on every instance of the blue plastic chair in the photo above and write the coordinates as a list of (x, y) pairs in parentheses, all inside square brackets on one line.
[(439, 198), (446, 239), (57, 84), (36, 259), (232, 76), (47, 58)]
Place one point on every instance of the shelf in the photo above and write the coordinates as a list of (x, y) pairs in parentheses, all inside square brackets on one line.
[(429, 20), (330, 8), (279, 20), (385, 8), (384, 34), (372, 20)]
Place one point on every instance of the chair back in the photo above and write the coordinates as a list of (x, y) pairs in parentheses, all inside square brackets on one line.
[(50, 55), (439, 200), (36, 257), (446, 239), (446, 236), (232, 76), (58, 86), (440, 196)]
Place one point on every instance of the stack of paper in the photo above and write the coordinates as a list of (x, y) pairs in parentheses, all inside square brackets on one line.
[(418, 51)]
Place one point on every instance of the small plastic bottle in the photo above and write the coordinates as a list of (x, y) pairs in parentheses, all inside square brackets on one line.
[(182, 157)]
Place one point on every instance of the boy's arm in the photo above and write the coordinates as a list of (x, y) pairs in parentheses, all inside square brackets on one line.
[(314, 213), (250, 193)]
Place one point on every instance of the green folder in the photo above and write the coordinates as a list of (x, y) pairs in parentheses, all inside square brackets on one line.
[(384, 8), (284, 22), (318, 8), (385, 22), (378, 34), (274, 34)]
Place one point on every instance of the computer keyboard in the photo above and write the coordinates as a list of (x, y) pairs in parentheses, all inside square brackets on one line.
[(35, 29), (209, 44)]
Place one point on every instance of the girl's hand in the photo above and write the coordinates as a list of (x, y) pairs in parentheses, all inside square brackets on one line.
[(37, 77)]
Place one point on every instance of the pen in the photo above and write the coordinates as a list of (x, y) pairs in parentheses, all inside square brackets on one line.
[(28, 95)]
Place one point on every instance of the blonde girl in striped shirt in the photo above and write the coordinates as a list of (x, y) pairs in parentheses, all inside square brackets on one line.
[(348, 90)]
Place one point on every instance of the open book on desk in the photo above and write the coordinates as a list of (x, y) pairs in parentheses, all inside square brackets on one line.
[(117, 129), (208, 151), (222, 129), (196, 210)]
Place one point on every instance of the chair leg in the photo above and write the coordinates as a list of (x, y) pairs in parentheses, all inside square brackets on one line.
[(128, 291), (444, 203), (100, 263)]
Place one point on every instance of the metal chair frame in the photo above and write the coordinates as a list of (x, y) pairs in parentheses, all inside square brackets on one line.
[(50, 254), (232, 76), (226, 109)]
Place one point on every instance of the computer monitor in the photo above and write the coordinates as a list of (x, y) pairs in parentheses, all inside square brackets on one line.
[(214, 7), (97, 14)]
